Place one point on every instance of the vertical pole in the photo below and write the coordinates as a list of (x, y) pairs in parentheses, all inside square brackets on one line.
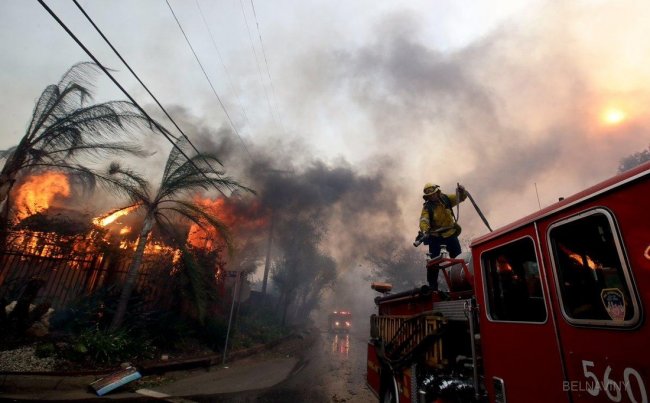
[(232, 308), (267, 264), (471, 312), (241, 285)]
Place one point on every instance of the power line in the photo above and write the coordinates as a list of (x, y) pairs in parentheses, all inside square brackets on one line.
[(259, 69), (216, 48), (133, 101), (266, 62), (99, 31), (208, 78)]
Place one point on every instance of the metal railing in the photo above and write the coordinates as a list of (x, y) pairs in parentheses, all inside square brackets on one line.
[(403, 334)]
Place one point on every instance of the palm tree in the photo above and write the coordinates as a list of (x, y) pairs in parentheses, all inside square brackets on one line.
[(64, 126), (181, 179)]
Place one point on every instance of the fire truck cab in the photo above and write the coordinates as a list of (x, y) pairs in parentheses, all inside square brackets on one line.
[(550, 308)]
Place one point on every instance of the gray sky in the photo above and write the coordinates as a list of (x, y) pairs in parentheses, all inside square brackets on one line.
[(495, 95)]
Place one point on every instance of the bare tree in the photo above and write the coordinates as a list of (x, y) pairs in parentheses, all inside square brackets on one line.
[(303, 272)]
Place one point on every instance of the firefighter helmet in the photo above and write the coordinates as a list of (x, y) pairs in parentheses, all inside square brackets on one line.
[(430, 189)]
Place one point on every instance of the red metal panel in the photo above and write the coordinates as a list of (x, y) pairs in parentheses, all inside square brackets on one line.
[(404, 386), (524, 355), (610, 354), (372, 372)]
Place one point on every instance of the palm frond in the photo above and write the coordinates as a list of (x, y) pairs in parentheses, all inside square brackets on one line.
[(5, 154), (125, 180), (175, 158), (62, 120), (63, 127), (44, 104), (100, 150), (100, 121), (53, 105), (80, 73), (185, 178)]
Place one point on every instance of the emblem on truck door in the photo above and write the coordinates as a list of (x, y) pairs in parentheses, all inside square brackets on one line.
[(614, 303)]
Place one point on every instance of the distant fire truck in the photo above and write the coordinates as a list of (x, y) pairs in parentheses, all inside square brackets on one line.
[(550, 308), (339, 321)]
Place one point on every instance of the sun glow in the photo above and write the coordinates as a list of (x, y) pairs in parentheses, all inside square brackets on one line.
[(613, 116)]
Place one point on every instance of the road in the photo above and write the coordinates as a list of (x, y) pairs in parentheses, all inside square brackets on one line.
[(313, 367), (331, 370)]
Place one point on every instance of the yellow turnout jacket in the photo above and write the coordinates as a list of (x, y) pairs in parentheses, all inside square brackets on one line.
[(442, 216)]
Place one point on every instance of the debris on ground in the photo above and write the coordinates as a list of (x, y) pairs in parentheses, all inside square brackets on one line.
[(24, 360), (113, 381)]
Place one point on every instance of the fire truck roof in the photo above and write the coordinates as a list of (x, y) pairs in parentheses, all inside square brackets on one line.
[(632, 175)]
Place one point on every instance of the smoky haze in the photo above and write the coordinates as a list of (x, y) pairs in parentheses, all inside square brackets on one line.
[(346, 215), (510, 113), (376, 107)]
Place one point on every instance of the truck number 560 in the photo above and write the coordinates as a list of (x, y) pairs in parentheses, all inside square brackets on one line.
[(631, 383)]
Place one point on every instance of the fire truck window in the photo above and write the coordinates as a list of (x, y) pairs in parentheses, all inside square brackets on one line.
[(590, 273), (513, 286)]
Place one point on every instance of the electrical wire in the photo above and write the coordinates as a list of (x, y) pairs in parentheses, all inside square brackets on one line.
[(216, 48), (232, 124), (126, 93), (266, 62), (99, 31), (259, 69)]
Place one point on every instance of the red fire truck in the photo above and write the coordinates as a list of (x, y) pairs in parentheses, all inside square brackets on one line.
[(339, 321), (550, 308)]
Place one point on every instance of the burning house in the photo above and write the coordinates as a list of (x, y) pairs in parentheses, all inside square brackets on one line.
[(75, 254)]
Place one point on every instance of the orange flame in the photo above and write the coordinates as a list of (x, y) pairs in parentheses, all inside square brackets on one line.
[(125, 230), (238, 217), (38, 192), (502, 265), (578, 258), (106, 219)]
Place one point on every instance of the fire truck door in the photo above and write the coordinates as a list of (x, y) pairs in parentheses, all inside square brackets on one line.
[(521, 359), (598, 309)]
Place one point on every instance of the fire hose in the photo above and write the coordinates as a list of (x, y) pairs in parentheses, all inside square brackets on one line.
[(471, 199), (478, 210)]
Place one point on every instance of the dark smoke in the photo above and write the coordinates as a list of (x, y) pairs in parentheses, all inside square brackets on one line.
[(328, 218)]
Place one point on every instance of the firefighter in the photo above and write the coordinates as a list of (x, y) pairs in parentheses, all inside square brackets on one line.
[(438, 224)]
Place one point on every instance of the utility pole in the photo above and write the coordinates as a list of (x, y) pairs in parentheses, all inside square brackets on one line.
[(232, 309), (267, 264)]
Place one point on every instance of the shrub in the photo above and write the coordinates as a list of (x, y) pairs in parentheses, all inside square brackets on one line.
[(45, 350), (92, 311), (213, 333), (101, 347), (167, 329)]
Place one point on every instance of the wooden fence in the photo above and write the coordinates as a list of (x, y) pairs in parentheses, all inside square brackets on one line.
[(75, 266)]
